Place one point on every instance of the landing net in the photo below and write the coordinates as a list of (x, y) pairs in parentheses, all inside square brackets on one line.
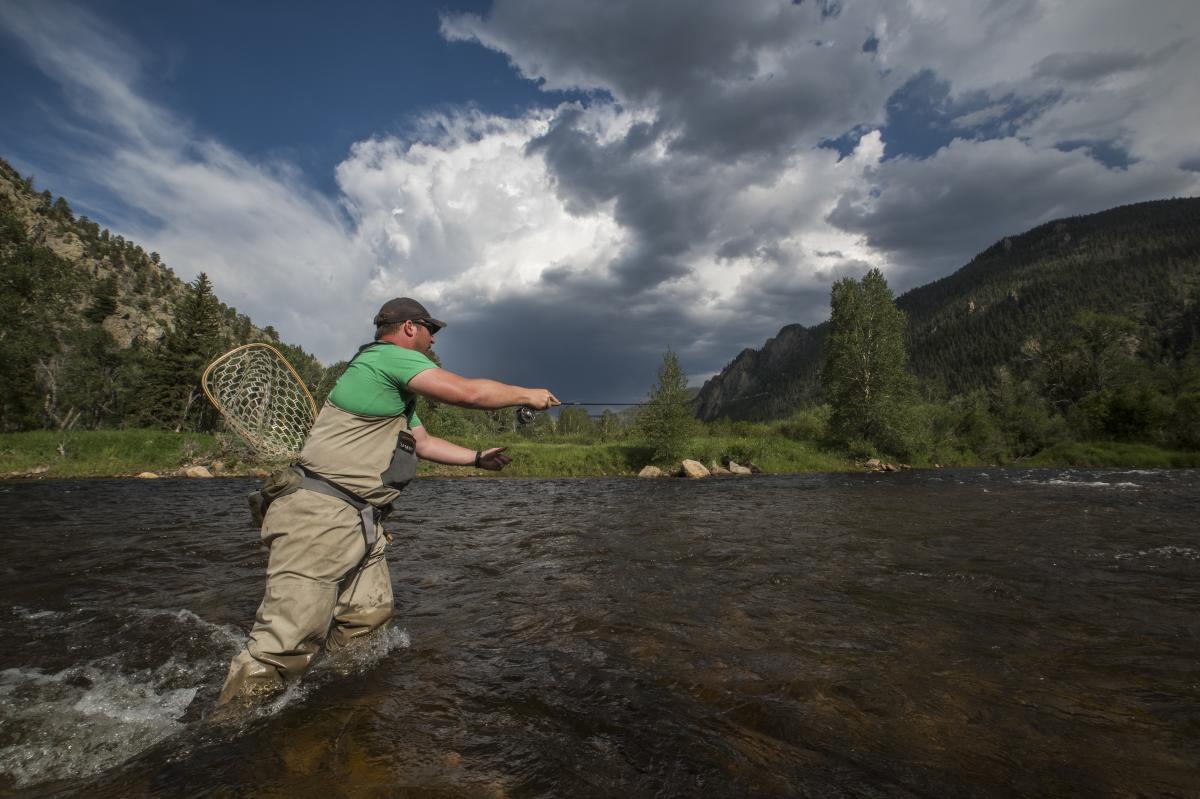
[(262, 399)]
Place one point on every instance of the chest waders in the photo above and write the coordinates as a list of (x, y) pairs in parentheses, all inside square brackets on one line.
[(400, 472)]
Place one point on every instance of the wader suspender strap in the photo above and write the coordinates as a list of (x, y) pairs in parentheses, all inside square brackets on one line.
[(368, 512)]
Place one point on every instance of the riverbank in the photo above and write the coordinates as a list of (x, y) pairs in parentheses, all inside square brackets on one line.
[(127, 453)]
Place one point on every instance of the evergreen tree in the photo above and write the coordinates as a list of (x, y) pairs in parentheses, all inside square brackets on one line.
[(865, 375), (665, 422), (104, 300), (194, 340)]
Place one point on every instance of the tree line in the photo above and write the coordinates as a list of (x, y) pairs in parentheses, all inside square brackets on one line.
[(1110, 377)]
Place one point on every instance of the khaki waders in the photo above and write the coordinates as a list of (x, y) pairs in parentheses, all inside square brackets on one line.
[(323, 588)]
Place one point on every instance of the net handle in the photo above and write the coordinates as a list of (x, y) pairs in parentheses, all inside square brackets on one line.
[(312, 404)]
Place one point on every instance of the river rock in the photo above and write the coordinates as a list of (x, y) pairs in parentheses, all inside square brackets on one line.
[(890, 467), (147, 476), (753, 467), (718, 470), (735, 468), (874, 465), (196, 471), (650, 471), (693, 469)]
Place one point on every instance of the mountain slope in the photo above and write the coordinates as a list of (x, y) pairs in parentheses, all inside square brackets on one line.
[(85, 314), (1140, 261)]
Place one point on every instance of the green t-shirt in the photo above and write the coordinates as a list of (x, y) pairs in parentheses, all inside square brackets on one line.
[(376, 382)]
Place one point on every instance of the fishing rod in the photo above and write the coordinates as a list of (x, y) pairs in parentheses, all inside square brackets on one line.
[(526, 415)]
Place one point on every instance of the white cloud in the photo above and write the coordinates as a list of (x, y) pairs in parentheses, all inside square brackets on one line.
[(687, 203)]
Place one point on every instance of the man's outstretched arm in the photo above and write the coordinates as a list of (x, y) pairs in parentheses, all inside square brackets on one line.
[(480, 393), (439, 450)]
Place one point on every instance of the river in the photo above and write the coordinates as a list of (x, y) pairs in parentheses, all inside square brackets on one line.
[(953, 633)]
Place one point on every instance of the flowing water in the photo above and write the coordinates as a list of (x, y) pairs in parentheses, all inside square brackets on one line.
[(923, 634)]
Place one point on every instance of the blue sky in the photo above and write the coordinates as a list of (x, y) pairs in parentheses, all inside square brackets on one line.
[(577, 185)]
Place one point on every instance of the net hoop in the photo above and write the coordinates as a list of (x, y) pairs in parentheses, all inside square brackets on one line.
[(262, 398)]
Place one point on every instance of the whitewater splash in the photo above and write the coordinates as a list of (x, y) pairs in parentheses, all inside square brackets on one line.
[(86, 718)]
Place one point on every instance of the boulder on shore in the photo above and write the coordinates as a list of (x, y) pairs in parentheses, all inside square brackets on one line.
[(717, 470), (196, 471), (874, 464), (147, 476), (735, 468), (650, 471), (693, 469)]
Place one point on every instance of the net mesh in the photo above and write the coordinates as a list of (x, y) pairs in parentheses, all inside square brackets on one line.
[(262, 399)]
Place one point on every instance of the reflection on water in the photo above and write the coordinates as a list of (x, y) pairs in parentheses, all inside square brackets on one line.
[(953, 633)]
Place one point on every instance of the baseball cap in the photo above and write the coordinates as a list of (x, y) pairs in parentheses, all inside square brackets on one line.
[(401, 309)]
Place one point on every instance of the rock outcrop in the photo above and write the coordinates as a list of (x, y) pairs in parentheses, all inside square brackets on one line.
[(755, 381)]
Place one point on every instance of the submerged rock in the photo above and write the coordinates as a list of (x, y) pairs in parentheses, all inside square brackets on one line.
[(693, 469)]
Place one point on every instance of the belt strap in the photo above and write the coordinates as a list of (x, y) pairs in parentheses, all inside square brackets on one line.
[(366, 511)]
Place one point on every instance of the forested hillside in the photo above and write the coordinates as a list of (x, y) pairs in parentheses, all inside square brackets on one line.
[(98, 333), (1010, 311)]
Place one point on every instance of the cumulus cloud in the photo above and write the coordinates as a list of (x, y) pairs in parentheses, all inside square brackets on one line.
[(926, 214), (691, 199)]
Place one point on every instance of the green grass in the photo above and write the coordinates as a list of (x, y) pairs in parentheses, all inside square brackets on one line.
[(100, 453), (547, 459), (1113, 454), (116, 453)]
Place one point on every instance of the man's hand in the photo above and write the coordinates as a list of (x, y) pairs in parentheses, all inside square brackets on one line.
[(541, 399), (493, 459)]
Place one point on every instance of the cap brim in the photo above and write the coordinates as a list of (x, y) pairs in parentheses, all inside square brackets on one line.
[(440, 324)]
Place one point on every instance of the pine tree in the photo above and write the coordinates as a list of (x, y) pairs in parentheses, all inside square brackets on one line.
[(865, 376), (104, 300), (666, 421), (194, 340)]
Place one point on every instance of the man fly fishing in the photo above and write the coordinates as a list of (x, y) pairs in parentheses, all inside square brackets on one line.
[(327, 578)]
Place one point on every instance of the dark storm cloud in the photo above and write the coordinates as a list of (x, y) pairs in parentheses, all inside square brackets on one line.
[(562, 339), (733, 98), (932, 215), (726, 79), (668, 207)]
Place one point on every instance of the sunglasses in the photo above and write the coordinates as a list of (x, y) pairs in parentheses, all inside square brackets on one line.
[(430, 326)]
